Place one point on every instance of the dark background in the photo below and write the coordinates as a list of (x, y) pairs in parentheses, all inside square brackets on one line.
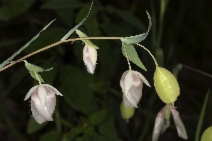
[(89, 109)]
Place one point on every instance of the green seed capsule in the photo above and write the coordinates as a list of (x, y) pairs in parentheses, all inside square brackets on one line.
[(126, 113), (166, 85), (207, 134)]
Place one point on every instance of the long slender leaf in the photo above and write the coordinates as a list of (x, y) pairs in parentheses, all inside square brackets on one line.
[(23, 47), (78, 25), (202, 114)]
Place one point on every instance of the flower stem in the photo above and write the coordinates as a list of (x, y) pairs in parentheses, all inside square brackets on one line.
[(55, 44), (125, 51), (156, 64)]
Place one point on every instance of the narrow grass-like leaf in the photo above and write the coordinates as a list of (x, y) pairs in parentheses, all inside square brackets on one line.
[(78, 25), (137, 38), (201, 118), (87, 42), (23, 47), (132, 55)]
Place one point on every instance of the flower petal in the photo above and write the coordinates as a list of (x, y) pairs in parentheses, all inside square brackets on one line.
[(42, 94), (52, 88), (128, 82), (122, 80), (37, 117), (159, 122), (126, 102), (39, 108), (142, 78), (51, 101), (31, 91), (179, 124)]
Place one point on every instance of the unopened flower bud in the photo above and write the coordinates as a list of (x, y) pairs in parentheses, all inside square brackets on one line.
[(207, 134), (43, 102), (90, 58), (132, 83), (126, 112)]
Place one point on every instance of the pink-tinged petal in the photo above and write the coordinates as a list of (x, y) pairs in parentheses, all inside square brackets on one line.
[(142, 78), (31, 91), (37, 117), (128, 82), (134, 95), (122, 81), (179, 124), (42, 94), (90, 66), (41, 110), (51, 101), (52, 88), (159, 122)]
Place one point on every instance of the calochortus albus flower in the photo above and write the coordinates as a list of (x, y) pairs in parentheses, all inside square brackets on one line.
[(131, 84), (90, 58), (162, 122), (43, 102)]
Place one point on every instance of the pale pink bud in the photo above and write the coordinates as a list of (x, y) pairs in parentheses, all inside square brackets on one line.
[(131, 84), (43, 102), (90, 58)]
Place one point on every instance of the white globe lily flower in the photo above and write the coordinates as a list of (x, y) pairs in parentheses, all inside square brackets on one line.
[(90, 58), (43, 102), (132, 84)]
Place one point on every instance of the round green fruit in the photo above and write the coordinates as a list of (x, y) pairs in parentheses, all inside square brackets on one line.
[(126, 113)]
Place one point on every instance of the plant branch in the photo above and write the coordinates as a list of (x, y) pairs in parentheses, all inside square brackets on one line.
[(55, 44)]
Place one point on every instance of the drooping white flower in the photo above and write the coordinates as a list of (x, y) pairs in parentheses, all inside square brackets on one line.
[(90, 58), (132, 83), (43, 102), (162, 123)]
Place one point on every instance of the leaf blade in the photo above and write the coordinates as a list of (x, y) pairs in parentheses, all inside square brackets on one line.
[(137, 38), (132, 55)]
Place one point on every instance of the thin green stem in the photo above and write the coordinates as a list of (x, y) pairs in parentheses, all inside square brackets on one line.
[(156, 64), (127, 57)]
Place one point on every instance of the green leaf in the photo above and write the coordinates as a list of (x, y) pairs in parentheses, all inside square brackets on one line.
[(33, 126), (87, 42), (36, 76), (201, 118), (98, 117), (23, 47), (137, 38), (51, 136), (14, 8), (32, 67), (78, 25), (132, 55), (127, 16), (62, 4)]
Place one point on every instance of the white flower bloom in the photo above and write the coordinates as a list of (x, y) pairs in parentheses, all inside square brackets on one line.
[(43, 102), (90, 58), (132, 83)]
